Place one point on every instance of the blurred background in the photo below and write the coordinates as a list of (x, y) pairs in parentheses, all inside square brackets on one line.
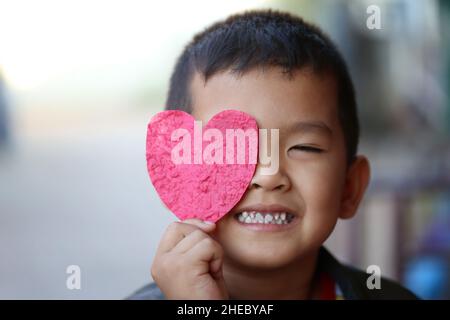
[(79, 81)]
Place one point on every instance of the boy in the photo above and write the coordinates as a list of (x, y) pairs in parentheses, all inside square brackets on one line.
[(288, 75)]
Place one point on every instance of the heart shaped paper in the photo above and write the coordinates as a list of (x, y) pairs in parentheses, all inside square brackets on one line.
[(201, 172)]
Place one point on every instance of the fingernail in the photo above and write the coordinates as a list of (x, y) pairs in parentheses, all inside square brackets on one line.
[(208, 222)]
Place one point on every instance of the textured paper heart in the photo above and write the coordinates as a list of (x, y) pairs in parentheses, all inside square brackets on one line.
[(208, 183)]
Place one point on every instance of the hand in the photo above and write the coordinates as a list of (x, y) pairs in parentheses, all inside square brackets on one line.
[(188, 262)]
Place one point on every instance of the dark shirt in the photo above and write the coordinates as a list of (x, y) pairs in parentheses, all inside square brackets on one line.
[(351, 281)]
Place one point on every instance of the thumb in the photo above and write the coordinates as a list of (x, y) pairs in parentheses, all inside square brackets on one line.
[(205, 226), (215, 268)]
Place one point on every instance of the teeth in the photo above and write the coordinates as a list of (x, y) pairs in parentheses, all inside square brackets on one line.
[(259, 218), (265, 218)]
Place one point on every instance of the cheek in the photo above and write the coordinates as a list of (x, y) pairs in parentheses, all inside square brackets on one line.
[(319, 184)]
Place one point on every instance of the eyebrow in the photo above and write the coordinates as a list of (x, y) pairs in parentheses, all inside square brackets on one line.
[(308, 126)]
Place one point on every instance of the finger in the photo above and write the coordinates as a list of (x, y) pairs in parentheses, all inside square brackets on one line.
[(190, 241), (175, 232), (204, 225), (216, 269), (209, 251)]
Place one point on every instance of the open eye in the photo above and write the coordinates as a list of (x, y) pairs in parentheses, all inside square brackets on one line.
[(306, 148)]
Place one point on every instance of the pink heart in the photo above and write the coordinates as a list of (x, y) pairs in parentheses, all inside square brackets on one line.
[(203, 189)]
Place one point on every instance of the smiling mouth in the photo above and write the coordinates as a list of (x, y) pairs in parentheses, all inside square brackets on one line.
[(249, 217), (265, 214)]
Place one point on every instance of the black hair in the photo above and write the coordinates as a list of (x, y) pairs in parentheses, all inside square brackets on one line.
[(261, 38)]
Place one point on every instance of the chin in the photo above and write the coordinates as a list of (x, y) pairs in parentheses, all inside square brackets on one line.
[(261, 258)]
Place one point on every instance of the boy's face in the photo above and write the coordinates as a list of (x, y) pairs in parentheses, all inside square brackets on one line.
[(311, 184)]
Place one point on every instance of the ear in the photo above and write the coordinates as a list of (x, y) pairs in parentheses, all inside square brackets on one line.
[(357, 179)]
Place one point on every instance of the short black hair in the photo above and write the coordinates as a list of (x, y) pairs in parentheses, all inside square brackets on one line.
[(261, 38)]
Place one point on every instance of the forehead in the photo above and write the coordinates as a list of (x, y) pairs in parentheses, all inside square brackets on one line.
[(273, 99)]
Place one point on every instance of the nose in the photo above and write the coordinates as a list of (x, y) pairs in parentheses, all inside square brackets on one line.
[(274, 182)]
